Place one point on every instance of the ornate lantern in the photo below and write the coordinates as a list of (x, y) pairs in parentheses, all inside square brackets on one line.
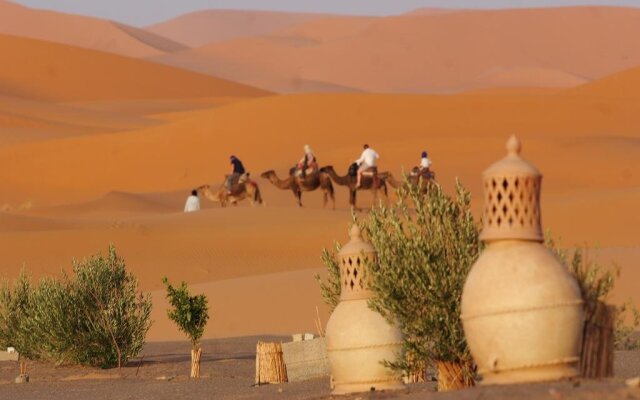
[(358, 338), (522, 310)]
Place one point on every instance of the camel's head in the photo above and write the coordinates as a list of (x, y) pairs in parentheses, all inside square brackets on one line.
[(267, 174), (202, 188)]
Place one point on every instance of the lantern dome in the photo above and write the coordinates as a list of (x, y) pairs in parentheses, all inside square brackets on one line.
[(512, 198)]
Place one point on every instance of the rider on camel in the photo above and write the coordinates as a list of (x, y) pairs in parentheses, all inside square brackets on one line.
[(366, 161), (308, 163), (425, 163), (237, 170)]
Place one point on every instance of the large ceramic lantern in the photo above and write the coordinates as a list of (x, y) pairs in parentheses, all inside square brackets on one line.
[(522, 310), (358, 338)]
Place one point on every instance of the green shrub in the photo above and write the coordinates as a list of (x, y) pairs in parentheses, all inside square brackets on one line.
[(15, 304), (596, 283), (190, 313), (424, 256), (96, 317), (330, 289), (627, 336)]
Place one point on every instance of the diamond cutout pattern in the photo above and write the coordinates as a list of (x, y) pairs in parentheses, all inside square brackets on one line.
[(353, 272), (512, 203)]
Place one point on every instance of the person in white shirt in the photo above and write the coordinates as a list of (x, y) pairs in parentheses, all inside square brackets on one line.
[(425, 163), (367, 160), (193, 202)]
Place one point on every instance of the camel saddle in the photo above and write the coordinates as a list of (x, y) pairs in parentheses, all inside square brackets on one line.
[(371, 172), (238, 182), (425, 174)]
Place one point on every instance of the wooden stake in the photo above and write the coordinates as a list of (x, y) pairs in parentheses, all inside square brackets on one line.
[(196, 354), (451, 376), (596, 359)]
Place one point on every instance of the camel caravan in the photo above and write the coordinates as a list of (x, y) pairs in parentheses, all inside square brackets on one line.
[(307, 176)]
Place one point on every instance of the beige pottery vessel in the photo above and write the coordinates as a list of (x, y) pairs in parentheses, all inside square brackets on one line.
[(522, 315), (522, 311), (359, 339)]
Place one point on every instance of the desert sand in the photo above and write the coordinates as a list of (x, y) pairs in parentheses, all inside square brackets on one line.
[(439, 52), (109, 36), (209, 26), (74, 195), (99, 148), (228, 370)]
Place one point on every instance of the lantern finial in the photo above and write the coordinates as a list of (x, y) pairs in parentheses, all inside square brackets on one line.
[(355, 233), (513, 145)]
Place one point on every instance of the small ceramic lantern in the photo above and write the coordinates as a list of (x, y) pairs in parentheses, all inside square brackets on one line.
[(358, 338), (522, 310)]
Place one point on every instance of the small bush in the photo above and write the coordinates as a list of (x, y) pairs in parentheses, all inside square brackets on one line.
[(330, 289), (424, 256), (596, 283), (190, 313), (15, 303), (96, 317)]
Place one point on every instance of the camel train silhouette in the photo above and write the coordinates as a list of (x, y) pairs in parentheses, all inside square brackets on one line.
[(323, 179)]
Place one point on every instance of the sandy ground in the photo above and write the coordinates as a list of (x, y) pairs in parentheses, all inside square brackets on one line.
[(228, 372)]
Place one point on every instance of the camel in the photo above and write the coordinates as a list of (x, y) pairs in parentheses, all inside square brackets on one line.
[(369, 182), (298, 184), (415, 179), (245, 188)]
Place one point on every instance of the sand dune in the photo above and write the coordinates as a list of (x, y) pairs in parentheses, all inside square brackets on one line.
[(134, 138), (82, 31), (527, 78), (209, 26), (432, 53), (77, 74), (621, 86), (195, 149), (434, 11), (23, 120)]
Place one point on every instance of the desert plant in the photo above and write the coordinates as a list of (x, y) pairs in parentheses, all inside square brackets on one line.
[(596, 282), (330, 288), (191, 314), (424, 256), (627, 323), (95, 317), (15, 303), (114, 315)]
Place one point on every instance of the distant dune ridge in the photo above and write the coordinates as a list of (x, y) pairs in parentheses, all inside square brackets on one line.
[(48, 71), (209, 26), (82, 31), (435, 53)]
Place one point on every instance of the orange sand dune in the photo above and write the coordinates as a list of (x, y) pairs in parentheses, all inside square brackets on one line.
[(465, 133), (202, 27), (43, 70), (70, 197), (82, 31), (23, 120), (528, 78), (433, 53)]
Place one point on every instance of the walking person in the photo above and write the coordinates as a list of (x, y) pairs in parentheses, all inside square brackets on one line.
[(193, 202)]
